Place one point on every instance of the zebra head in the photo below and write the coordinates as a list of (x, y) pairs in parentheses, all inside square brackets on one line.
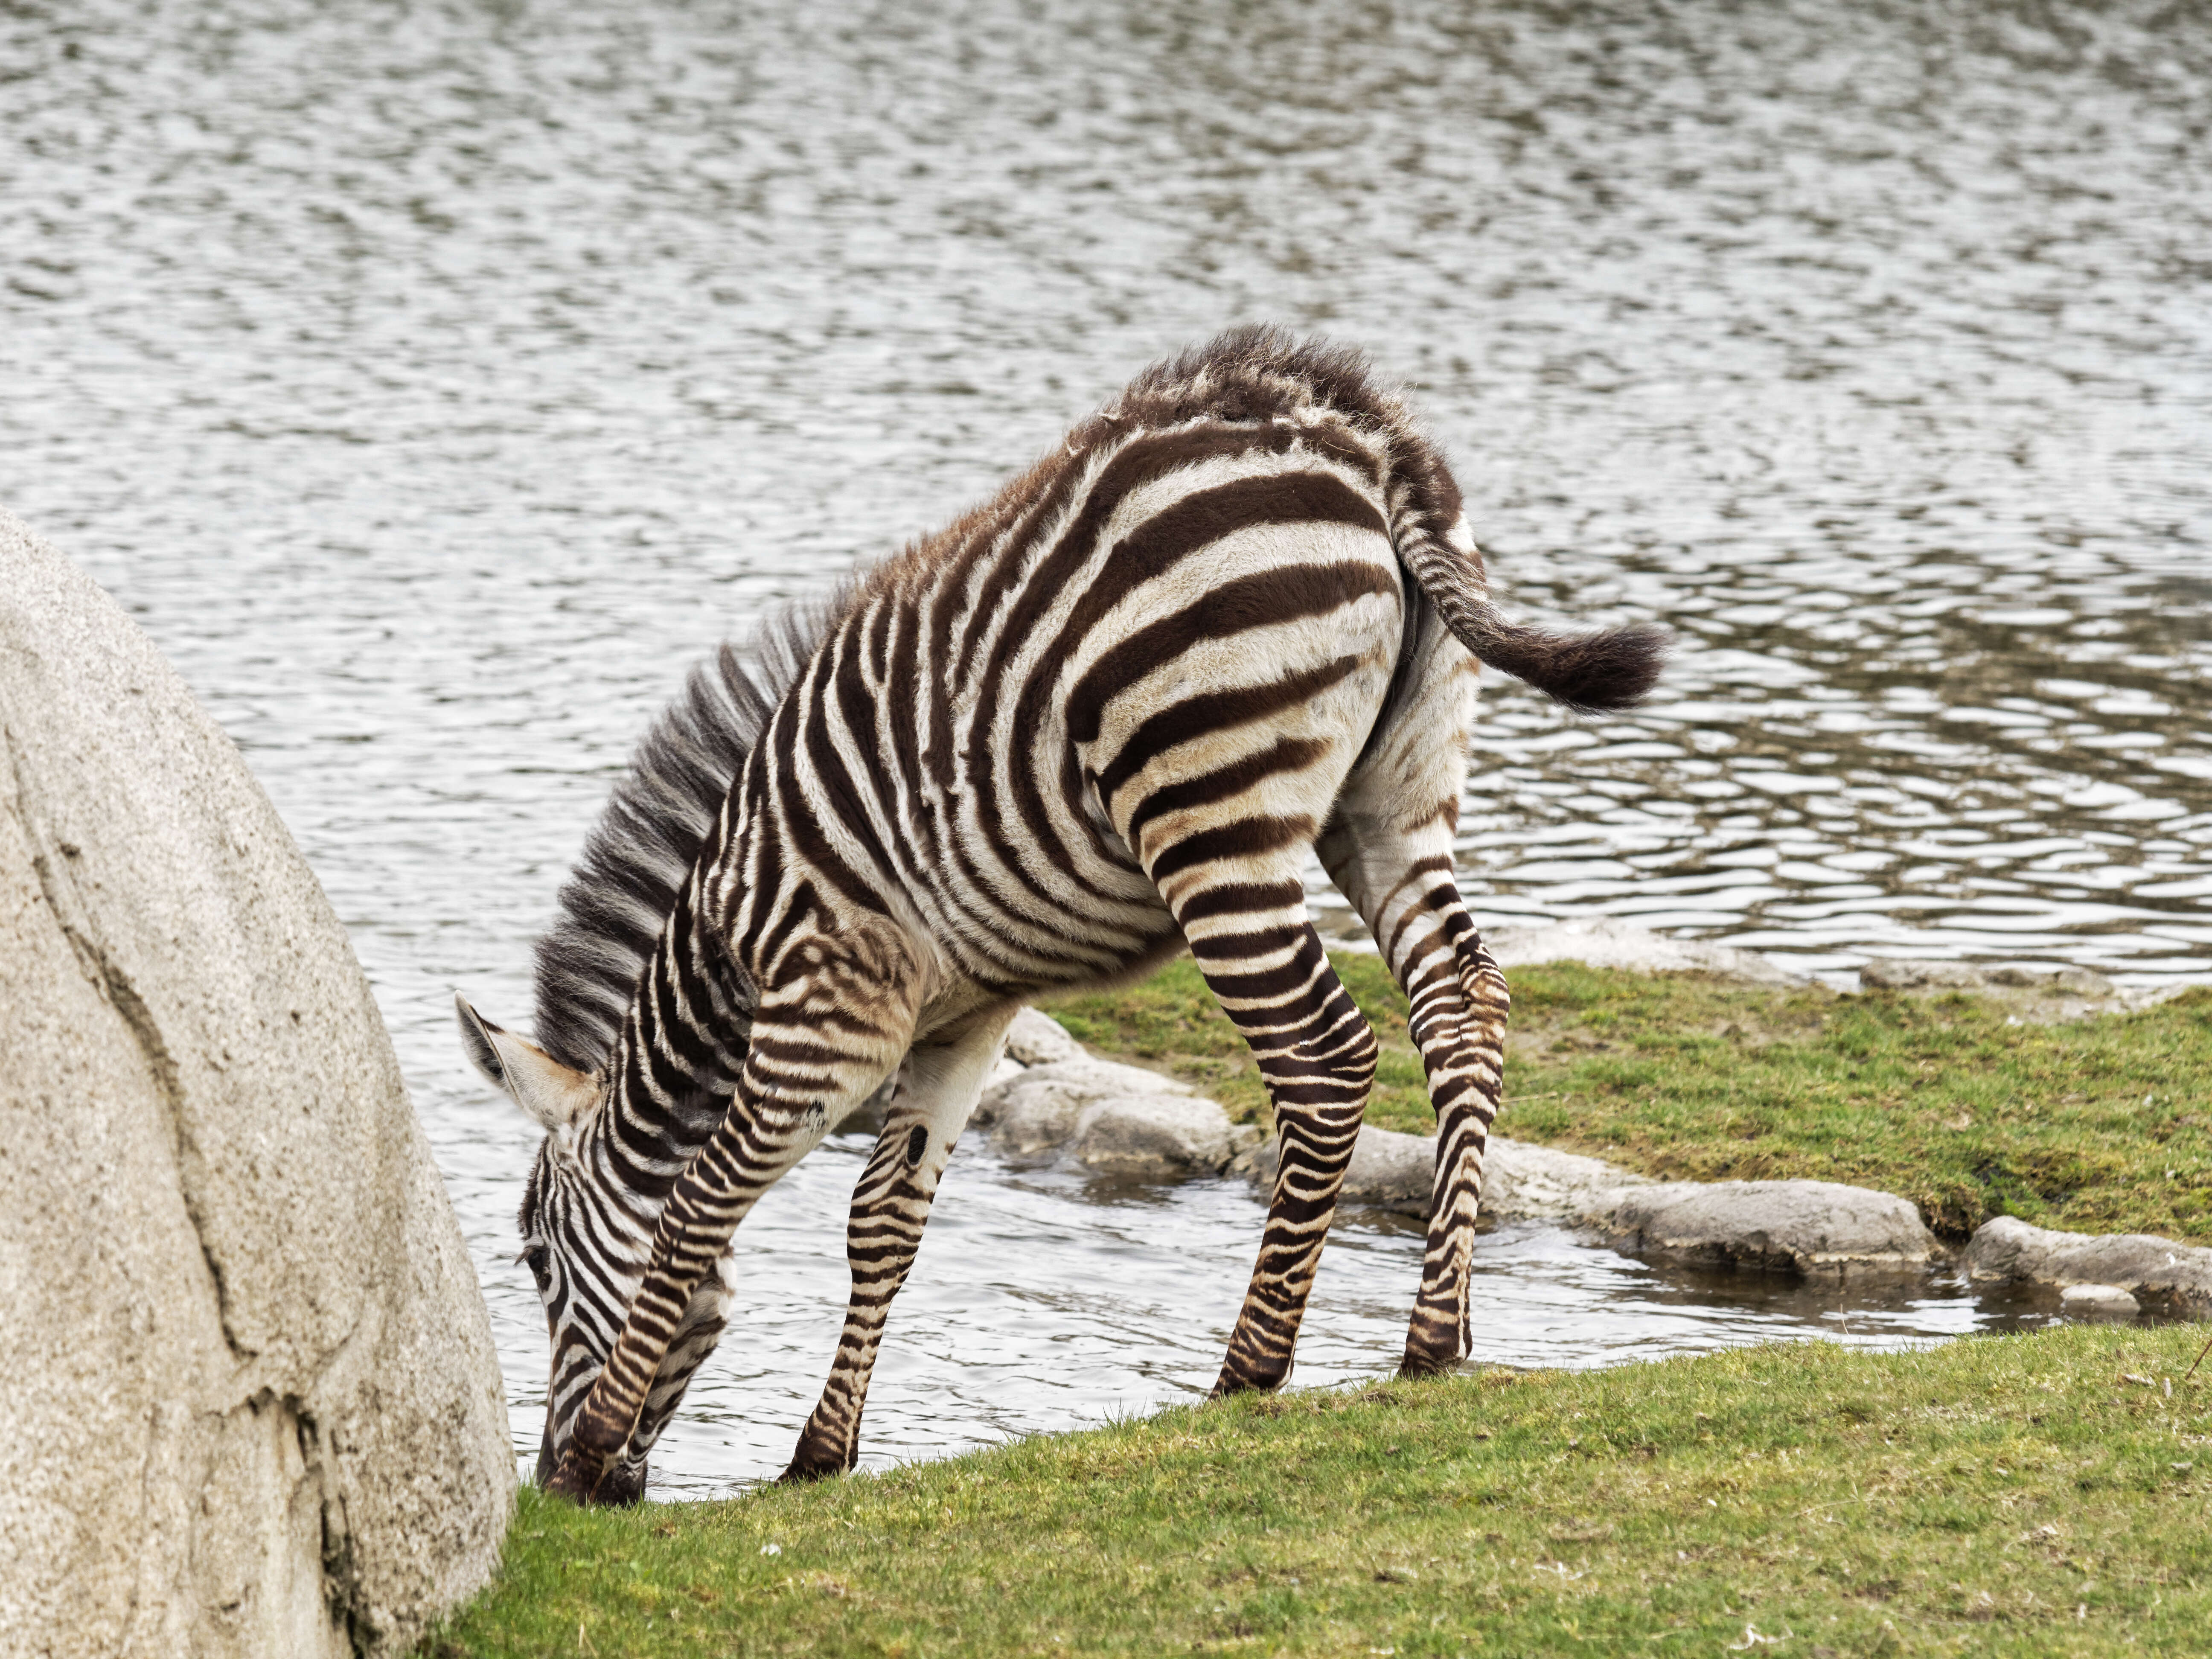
[(586, 1238)]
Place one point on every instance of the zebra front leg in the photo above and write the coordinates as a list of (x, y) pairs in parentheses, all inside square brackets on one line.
[(817, 1049), (891, 1206)]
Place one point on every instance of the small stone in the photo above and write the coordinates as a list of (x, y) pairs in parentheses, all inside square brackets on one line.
[(1119, 1120), (1058, 1092), (2098, 1302)]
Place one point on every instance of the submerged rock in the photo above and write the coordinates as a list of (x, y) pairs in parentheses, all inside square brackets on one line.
[(2098, 1302), (2009, 1248), (1805, 1226), (253, 1404), (2039, 995)]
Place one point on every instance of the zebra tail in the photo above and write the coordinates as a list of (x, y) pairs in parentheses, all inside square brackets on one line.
[(1591, 674)]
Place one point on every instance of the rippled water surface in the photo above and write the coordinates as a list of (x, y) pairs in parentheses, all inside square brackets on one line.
[(435, 382)]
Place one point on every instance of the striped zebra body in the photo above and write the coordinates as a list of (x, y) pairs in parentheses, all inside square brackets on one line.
[(1235, 620)]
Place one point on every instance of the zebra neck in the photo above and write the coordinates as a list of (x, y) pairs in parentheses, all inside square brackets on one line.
[(677, 1061)]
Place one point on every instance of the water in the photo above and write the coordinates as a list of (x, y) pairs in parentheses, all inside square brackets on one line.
[(434, 381)]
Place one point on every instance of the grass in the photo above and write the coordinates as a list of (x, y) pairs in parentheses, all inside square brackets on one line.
[(2047, 1494), (2101, 1125)]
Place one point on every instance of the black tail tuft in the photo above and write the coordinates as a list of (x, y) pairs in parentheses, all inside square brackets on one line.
[(1590, 673)]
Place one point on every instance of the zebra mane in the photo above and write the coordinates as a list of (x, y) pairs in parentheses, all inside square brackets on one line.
[(638, 855)]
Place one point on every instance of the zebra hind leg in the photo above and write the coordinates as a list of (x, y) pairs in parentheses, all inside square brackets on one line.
[(1402, 883), (1265, 965), (936, 1092)]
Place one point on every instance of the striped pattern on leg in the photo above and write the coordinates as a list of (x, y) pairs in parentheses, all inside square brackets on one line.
[(1266, 965), (1471, 1058), (891, 1207), (1458, 1004), (818, 1049)]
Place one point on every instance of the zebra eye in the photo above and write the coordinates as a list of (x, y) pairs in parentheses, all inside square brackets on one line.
[(534, 1258)]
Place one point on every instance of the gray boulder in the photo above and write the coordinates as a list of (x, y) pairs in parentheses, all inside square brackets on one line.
[(1520, 1183), (1035, 1039), (1806, 1226), (253, 1406), (1116, 1119), (2098, 1302), (2009, 1248)]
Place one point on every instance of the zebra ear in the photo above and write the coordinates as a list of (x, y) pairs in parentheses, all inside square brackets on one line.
[(553, 1094)]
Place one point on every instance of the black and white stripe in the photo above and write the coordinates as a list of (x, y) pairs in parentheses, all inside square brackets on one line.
[(1235, 619)]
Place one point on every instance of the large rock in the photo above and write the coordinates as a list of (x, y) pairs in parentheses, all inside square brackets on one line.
[(2009, 1248), (252, 1406), (1038, 1039), (1520, 1181), (1605, 943), (1526, 1182), (1808, 1226)]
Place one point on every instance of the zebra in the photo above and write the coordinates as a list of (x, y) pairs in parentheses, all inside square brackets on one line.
[(1232, 621)]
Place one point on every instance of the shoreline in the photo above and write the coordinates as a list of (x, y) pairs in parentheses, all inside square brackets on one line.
[(1052, 1096)]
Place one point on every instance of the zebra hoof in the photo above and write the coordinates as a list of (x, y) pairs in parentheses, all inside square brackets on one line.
[(805, 1470), (594, 1484), (576, 1477), (1236, 1380), (1419, 1362), (818, 1458)]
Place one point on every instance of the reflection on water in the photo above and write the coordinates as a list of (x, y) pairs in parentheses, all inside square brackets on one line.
[(436, 380)]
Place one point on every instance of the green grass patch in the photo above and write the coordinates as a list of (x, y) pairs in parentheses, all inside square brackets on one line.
[(2048, 1494), (2099, 1125)]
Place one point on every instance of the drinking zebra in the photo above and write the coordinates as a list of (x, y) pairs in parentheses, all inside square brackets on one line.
[(1234, 620)]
